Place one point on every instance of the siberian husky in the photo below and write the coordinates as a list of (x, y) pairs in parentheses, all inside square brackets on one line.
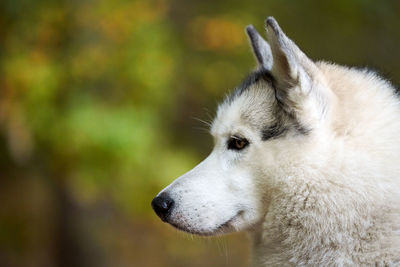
[(306, 160)]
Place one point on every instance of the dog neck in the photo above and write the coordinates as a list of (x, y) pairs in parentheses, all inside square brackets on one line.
[(317, 222)]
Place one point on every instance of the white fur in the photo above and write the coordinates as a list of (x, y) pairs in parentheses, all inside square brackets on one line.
[(327, 198)]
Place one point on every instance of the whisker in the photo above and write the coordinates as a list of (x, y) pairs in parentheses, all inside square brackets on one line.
[(203, 121), (210, 116), (206, 130)]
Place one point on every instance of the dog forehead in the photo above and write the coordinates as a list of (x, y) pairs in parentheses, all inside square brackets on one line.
[(251, 108)]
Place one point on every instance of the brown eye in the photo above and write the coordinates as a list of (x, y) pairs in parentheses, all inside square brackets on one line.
[(237, 143)]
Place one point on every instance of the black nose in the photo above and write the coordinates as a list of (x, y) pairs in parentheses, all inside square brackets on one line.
[(162, 205)]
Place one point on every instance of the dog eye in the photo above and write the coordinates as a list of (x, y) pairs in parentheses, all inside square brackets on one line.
[(237, 143)]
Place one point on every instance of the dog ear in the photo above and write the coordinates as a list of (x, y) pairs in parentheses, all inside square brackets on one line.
[(299, 84), (261, 48), (290, 63)]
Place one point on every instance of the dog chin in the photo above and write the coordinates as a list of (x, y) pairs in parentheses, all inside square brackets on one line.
[(227, 227)]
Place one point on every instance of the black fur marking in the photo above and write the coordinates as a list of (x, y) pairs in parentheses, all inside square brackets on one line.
[(273, 131), (285, 122)]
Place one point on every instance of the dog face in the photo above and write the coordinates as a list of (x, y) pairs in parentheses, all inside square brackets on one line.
[(261, 132)]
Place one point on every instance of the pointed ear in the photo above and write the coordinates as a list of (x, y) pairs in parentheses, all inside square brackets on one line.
[(289, 60), (299, 84), (261, 48), (291, 66)]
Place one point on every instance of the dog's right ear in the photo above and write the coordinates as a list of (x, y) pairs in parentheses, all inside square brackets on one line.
[(299, 84), (261, 48)]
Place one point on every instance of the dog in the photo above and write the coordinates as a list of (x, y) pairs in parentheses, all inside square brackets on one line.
[(306, 160)]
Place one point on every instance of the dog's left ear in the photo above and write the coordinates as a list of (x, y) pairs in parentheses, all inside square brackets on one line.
[(261, 48)]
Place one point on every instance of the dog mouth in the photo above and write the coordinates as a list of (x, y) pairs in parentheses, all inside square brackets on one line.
[(219, 230)]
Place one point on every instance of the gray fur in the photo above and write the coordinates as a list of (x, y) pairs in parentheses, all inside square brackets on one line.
[(261, 48)]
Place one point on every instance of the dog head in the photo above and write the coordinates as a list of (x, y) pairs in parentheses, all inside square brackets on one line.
[(262, 134)]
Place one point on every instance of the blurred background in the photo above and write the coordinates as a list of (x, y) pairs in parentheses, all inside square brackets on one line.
[(99, 109)]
